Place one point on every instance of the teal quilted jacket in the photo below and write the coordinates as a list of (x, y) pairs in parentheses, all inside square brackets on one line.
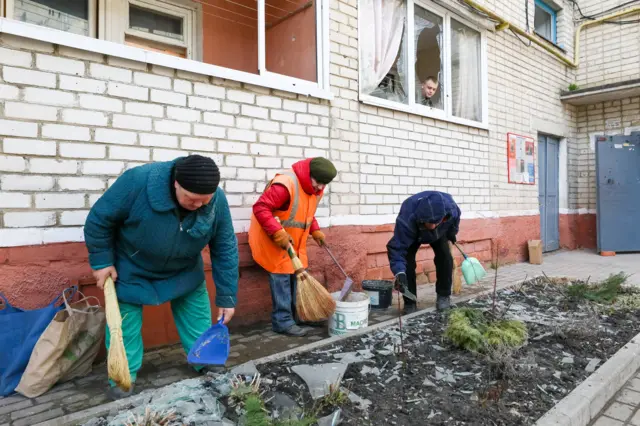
[(136, 227)]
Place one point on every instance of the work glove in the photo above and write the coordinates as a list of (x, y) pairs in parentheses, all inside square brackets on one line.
[(401, 283), (318, 236), (452, 238), (282, 239)]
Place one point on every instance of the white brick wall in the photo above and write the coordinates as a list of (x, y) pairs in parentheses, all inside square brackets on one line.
[(128, 91), (30, 111), (59, 65), (608, 53), (24, 76), (29, 219), (69, 127), (82, 84), (29, 146), (108, 73)]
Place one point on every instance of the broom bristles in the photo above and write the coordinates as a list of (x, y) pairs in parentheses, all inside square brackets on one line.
[(117, 363), (314, 302)]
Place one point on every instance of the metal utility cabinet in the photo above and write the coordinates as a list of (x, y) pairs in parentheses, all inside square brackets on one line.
[(618, 191)]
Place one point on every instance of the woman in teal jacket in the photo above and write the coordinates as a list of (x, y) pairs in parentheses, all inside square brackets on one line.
[(148, 231)]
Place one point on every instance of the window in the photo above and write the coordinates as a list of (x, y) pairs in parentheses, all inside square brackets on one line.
[(291, 33), (282, 44), (168, 26), (545, 21), (466, 86), (428, 53), (420, 58), (74, 16)]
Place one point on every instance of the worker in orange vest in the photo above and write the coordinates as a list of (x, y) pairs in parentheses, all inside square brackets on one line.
[(285, 214)]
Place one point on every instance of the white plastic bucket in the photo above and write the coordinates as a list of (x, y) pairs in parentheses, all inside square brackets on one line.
[(350, 315)]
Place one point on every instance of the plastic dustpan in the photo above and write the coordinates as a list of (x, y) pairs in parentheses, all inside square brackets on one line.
[(472, 269), (212, 347)]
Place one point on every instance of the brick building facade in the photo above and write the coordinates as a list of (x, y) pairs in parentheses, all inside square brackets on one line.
[(76, 111)]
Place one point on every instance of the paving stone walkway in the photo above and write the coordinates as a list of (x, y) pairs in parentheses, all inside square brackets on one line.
[(166, 365), (624, 408)]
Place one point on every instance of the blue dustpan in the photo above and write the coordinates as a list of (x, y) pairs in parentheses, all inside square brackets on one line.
[(212, 348)]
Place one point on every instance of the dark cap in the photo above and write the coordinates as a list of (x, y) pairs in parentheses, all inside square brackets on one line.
[(322, 170), (197, 174)]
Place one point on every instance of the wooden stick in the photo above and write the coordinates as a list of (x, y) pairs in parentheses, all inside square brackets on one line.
[(457, 280)]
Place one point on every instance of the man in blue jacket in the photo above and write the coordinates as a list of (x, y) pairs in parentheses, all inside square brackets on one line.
[(147, 233), (433, 218)]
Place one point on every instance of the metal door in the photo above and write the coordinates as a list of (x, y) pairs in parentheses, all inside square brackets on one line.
[(548, 190), (618, 190)]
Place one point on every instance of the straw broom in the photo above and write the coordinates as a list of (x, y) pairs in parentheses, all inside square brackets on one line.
[(313, 301), (117, 363)]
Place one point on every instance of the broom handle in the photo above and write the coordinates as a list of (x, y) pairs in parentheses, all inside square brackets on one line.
[(291, 252), (294, 259), (463, 255), (326, 247), (112, 308)]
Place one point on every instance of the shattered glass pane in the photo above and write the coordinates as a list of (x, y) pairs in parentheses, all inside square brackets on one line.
[(191, 401)]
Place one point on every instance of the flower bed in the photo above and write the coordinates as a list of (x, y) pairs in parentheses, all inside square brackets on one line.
[(434, 382), (421, 377)]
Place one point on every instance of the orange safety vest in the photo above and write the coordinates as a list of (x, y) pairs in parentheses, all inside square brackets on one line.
[(296, 220)]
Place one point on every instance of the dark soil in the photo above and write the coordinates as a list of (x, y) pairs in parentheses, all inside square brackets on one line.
[(433, 383)]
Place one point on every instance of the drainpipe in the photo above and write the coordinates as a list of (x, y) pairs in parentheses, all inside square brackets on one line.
[(503, 24)]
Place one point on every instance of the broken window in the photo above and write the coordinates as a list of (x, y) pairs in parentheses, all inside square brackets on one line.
[(383, 31), (418, 57), (428, 58)]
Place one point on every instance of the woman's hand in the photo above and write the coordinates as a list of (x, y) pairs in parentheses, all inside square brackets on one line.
[(101, 275), (227, 313)]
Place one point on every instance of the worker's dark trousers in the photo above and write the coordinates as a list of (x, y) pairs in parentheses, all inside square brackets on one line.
[(444, 268)]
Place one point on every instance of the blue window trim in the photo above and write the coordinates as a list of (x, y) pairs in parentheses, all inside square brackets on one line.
[(554, 18)]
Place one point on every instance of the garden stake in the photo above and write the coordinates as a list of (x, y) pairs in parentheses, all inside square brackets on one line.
[(404, 359)]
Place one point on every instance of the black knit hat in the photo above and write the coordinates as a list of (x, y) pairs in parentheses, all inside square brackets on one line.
[(322, 170), (197, 174)]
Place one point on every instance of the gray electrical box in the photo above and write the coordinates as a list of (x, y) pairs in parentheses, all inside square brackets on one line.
[(618, 190)]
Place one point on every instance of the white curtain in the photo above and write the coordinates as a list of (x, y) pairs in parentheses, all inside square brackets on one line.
[(466, 86), (382, 25)]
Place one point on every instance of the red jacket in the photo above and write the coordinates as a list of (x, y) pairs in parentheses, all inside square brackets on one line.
[(277, 198)]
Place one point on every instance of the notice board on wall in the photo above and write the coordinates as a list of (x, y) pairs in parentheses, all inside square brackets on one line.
[(521, 159)]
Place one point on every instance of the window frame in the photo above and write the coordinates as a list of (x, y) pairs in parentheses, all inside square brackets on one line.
[(319, 89), (441, 114), (554, 20), (92, 7), (114, 23), (446, 114)]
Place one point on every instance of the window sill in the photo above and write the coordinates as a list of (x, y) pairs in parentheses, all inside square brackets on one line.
[(421, 111), (550, 43), (271, 81)]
